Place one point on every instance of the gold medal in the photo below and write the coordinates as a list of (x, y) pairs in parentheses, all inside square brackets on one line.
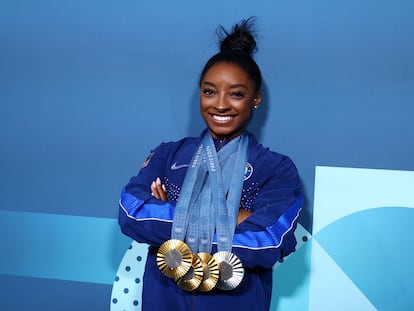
[(174, 258), (211, 272), (231, 270), (192, 279)]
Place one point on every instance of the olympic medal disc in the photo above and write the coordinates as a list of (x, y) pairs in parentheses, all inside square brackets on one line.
[(192, 279), (174, 258), (231, 270), (211, 272)]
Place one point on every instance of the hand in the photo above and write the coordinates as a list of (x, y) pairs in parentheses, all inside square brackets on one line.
[(242, 216), (158, 190)]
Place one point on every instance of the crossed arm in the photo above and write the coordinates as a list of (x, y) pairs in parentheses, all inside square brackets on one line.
[(159, 192)]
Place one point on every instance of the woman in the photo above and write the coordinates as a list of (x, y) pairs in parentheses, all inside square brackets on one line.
[(219, 193)]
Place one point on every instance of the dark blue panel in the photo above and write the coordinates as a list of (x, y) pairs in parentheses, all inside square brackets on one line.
[(21, 294)]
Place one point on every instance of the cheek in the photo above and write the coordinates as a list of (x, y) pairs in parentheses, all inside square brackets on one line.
[(244, 107), (202, 107), (202, 101), (247, 112)]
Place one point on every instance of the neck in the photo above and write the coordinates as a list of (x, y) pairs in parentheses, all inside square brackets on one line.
[(220, 142)]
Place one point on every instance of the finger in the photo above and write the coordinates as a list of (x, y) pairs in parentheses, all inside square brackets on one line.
[(158, 191), (154, 190), (243, 215), (163, 193)]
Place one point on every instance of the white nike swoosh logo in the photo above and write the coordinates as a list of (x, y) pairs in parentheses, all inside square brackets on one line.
[(176, 167)]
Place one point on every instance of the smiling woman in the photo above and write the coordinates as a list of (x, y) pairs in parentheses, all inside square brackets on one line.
[(218, 210), (227, 98)]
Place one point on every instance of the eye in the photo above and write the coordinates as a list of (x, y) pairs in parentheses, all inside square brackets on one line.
[(208, 92), (237, 94)]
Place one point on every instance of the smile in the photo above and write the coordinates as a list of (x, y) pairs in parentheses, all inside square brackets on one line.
[(222, 118)]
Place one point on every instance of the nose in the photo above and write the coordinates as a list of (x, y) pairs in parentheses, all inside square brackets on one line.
[(222, 104)]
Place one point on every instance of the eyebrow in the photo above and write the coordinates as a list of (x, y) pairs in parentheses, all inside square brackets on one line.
[(233, 86)]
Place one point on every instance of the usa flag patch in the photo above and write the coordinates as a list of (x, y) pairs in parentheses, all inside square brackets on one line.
[(147, 160)]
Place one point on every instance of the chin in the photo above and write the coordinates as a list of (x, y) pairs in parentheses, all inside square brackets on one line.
[(224, 135)]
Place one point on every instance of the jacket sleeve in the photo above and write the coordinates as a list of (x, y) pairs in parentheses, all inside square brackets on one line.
[(268, 234), (141, 216)]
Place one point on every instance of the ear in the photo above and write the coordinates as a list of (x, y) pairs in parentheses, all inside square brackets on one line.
[(257, 99)]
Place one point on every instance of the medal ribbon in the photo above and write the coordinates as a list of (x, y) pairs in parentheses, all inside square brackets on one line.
[(210, 196), (227, 185)]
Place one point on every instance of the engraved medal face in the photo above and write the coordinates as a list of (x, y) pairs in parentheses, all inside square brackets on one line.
[(231, 270), (174, 258), (211, 272), (193, 278)]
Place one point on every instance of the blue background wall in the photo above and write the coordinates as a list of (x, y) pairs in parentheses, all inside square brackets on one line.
[(87, 88)]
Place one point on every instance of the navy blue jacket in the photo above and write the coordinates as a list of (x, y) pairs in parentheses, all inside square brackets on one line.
[(271, 191)]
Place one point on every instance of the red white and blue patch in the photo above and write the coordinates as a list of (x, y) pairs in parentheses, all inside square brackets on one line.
[(148, 159)]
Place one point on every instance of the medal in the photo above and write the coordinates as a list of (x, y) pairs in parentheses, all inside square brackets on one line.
[(231, 270), (208, 205), (192, 279), (174, 258), (211, 272)]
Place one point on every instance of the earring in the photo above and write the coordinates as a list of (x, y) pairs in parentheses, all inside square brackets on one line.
[(255, 106)]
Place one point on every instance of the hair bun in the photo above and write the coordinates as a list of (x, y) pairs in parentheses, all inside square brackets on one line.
[(239, 39)]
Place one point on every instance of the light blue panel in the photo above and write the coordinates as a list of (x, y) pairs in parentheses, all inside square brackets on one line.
[(361, 252), (374, 248), (61, 247), (341, 191), (291, 281), (330, 288)]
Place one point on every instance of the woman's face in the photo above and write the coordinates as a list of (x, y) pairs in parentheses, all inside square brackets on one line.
[(227, 98)]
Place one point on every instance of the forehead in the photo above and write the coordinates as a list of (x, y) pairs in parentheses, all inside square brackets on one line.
[(227, 73)]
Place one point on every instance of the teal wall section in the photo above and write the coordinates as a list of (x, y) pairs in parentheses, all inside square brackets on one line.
[(87, 88)]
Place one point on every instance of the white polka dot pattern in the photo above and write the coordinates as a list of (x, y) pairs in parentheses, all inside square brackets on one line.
[(248, 196), (173, 190)]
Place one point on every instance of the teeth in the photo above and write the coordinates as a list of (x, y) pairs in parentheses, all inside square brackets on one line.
[(222, 118)]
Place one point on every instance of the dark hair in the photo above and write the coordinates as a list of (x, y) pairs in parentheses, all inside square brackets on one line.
[(237, 47)]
